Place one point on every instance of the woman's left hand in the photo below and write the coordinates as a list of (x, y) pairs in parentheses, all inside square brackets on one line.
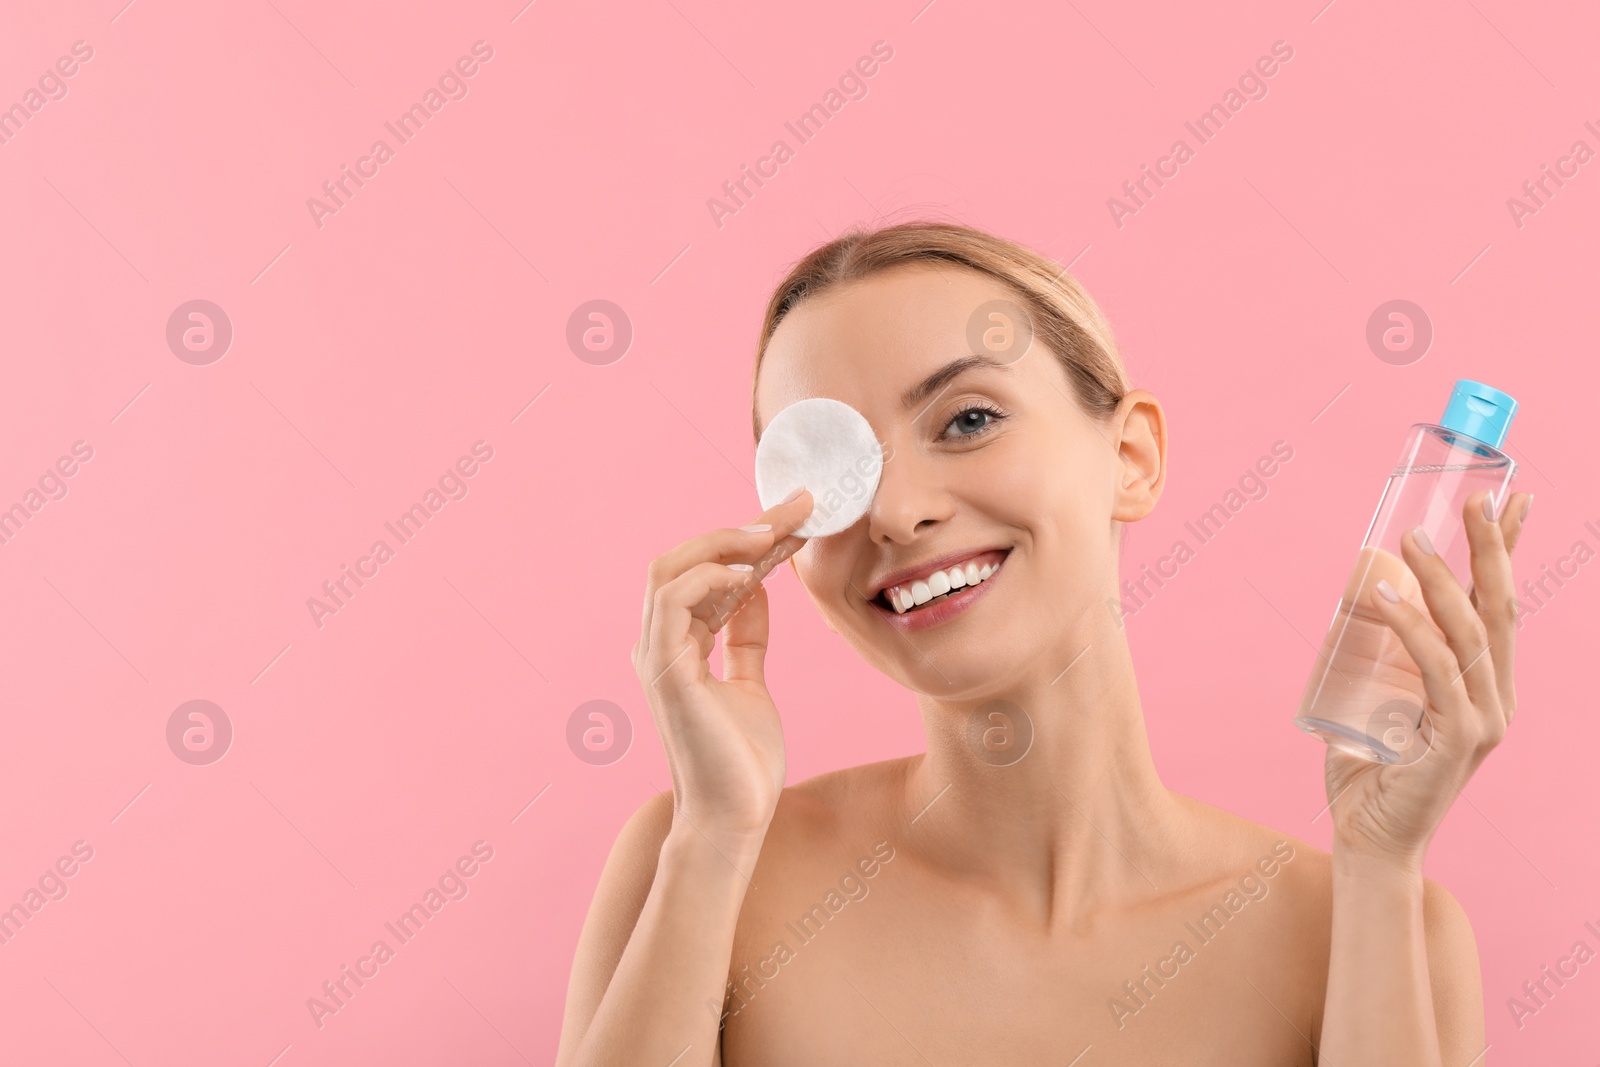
[(1391, 811)]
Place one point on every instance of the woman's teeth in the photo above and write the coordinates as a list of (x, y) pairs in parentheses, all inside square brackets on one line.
[(936, 585)]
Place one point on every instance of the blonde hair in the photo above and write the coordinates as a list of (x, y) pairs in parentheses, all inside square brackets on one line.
[(1066, 319)]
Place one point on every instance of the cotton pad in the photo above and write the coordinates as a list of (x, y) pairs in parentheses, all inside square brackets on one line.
[(828, 447)]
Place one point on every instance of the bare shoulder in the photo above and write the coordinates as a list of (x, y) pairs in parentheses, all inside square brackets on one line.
[(811, 813), (1308, 870), (840, 790), (1237, 844), (837, 810), (808, 813), (1304, 878)]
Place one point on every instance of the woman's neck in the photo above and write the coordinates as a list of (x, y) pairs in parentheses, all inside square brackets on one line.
[(1074, 817)]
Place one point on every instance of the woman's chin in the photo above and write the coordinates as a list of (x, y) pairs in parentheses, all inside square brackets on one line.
[(976, 670)]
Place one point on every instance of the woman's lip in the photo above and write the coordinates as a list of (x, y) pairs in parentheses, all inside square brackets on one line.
[(935, 614), (943, 563)]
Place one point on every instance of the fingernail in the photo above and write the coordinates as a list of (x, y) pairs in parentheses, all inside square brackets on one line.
[(1488, 507), (1422, 540), (794, 495), (1388, 591), (756, 527), (1527, 506), (740, 567)]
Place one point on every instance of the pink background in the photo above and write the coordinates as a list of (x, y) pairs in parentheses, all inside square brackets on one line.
[(371, 352)]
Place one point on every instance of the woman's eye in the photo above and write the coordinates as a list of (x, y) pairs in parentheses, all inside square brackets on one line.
[(971, 422)]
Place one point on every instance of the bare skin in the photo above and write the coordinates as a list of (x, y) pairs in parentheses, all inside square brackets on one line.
[(966, 905)]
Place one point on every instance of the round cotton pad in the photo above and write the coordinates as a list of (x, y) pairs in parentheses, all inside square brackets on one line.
[(828, 447)]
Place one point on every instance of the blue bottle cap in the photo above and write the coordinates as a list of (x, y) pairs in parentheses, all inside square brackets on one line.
[(1480, 411)]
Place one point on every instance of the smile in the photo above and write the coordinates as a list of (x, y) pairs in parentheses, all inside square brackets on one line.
[(938, 590)]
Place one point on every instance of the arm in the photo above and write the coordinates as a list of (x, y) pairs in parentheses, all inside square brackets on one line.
[(652, 962), (1403, 980)]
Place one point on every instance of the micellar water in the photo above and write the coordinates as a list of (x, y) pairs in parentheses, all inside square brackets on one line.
[(1366, 694)]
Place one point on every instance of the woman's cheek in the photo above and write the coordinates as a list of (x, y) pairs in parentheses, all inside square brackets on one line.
[(1020, 480), (820, 569)]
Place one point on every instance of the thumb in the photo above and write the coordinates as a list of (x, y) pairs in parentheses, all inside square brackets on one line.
[(744, 640)]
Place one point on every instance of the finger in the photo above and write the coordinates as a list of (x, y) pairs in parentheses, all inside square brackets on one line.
[(685, 666), (1453, 724), (716, 546), (771, 559), (1465, 635), (671, 619), (741, 545), (1511, 520), (1514, 517), (717, 611), (703, 638), (744, 646), (1511, 525), (787, 517), (1496, 592)]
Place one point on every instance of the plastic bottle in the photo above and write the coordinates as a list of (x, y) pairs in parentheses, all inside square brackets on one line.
[(1366, 695)]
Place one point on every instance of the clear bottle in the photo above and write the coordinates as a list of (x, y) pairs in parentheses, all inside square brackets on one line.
[(1366, 695)]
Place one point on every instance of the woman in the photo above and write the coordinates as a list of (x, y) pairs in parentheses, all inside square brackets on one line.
[(1026, 890)]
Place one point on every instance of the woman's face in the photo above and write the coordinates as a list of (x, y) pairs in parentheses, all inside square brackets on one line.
[(991, 466)]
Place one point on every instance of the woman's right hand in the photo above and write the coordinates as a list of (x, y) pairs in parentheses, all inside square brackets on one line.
[(722, 736)]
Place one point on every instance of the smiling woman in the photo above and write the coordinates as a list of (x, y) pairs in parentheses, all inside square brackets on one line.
[(1030, 880)]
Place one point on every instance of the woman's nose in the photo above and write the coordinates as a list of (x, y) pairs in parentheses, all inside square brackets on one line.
[(911, 498)]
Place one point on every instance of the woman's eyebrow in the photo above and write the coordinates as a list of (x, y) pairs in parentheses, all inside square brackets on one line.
[(939, 378)]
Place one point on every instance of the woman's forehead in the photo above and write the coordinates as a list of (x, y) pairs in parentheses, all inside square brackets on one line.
[(873, 337)]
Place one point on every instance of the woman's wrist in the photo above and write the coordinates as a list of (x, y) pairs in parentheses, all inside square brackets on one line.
[(716, 850), (1368, 864)]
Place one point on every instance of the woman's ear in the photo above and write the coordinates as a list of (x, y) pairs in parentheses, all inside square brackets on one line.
[(1140, 426)]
